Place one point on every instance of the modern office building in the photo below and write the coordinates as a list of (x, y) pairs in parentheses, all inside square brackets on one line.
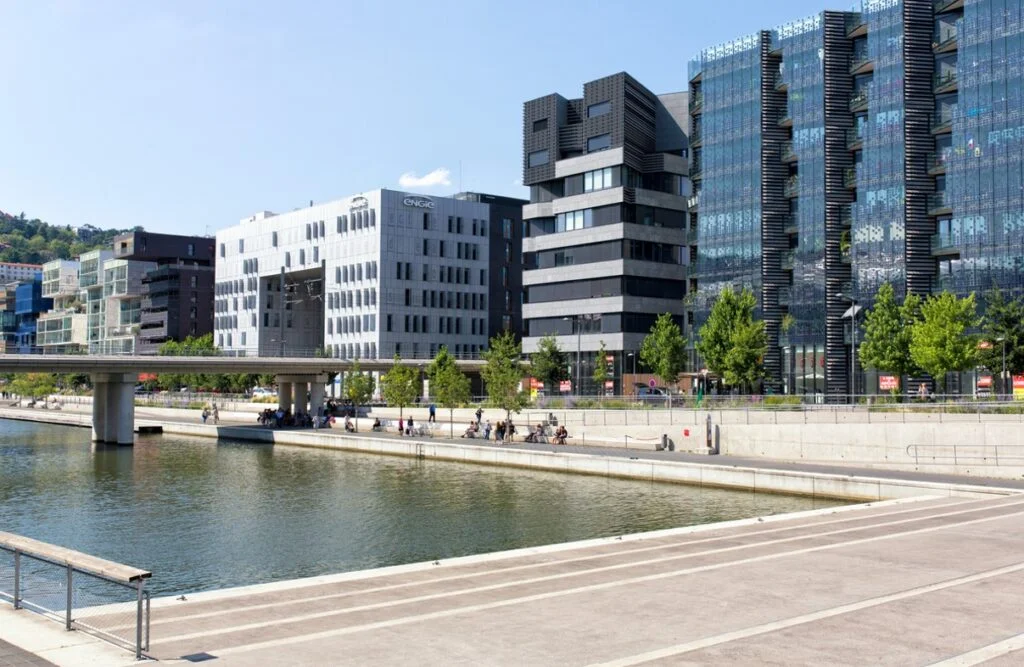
[(849, 149), (8, 320), (14, 272), (176, 295), (62, 329), (367, 276), (505, 230), (605, 247)]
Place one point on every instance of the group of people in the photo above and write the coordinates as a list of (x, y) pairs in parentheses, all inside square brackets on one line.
[(279, 418), (211, 411)]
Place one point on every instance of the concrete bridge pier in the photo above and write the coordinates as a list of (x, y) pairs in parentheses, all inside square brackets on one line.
[(113, 408), (292, 391)]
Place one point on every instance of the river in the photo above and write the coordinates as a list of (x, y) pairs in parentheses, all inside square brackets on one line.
[(205, 515)]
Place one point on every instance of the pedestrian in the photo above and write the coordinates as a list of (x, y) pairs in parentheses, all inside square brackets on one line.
[(216, 414), (510, 431), (487, 430), (206, 415), (499, 431), (409, 426), (401, 426), (432, 419), (479, 414)]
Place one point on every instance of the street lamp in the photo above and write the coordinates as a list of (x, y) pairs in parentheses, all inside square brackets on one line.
[(852, 314), (632, 356), (579, 330)]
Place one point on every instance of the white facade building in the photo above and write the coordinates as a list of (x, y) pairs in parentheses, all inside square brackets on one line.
[(15, 272), (63, 328), (366, 276)]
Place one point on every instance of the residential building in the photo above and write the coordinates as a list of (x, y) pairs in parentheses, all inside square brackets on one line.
[(505, 230), (14, 272), (28, 305), (62, 329), (367, 276), (605, 247), (849, 149), (8, 319), (177, 293)]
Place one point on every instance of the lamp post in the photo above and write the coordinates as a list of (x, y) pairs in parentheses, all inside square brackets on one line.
[(853, 342), (630, 355), (575, 325)]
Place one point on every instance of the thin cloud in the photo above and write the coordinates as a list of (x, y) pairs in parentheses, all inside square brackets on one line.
[(439, 176)]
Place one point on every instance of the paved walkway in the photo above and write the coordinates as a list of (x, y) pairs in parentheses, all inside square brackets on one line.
[(12, 656), (910, 583)]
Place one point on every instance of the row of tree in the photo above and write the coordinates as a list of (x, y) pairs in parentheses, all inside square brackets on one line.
[(943, 334), (33, 241)]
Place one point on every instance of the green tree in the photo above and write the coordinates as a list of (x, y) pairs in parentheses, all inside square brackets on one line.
[(400, 385), (887, 332), (1004, 319), (449, 386), (664, 350), (34, 385), (358, 388), (732, 342), (600, 375), (549, 364), (503, 373), (940, 342)]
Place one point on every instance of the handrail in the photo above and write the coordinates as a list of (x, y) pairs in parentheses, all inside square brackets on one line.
[(89, 619), (100, 567)]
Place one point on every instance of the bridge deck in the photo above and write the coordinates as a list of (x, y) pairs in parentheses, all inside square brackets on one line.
[(897, 583)]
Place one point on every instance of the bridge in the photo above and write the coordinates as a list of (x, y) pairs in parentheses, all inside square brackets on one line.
[(114, 378)]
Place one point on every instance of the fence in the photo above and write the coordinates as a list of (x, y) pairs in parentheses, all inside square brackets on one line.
[(86, 593)]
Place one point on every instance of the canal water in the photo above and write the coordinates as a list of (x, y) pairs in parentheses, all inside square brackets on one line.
[(204, 515)]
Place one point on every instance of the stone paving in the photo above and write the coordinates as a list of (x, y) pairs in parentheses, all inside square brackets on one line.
[(12, 656)]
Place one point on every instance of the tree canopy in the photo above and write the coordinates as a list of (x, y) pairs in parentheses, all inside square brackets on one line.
[(732, 342), (358, 388), (502, 373), (549, 363), (33, 241), (449, 386), (400, 385), (940, 342), (600, 374), (1004, 319), (887, 332), (664, 349)]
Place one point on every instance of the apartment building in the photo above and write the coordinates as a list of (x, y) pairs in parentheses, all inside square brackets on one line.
[(605, 241), (62, 328)]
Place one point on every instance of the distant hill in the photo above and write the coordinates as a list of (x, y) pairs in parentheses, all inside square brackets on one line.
[(34, 241)]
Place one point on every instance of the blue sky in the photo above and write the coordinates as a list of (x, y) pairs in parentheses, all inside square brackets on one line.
[(187, 116)]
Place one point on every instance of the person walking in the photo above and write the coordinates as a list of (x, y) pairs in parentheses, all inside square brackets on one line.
[(409, 427), (432, 410), (487, 430), (216, 414), (479, 414), (205, 415)]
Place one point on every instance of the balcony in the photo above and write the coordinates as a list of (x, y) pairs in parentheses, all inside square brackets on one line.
[(784, 119), (149, 319), (860, 63), (691, 236), (88, 280), (859, 101), (787, 260), (937, 163), (695, 137), (781, 84), (785, 295), (945, 244), (939, 204), (696, 103), (942, 120), (850, 178), (946, 82), (943, 284), (792, 187), (790, 226), (855, 138), (846, 255), (948, 40), (788, 154), (856, 25), (939, 6)]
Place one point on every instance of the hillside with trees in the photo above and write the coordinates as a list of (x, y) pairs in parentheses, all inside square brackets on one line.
[(32, 241)]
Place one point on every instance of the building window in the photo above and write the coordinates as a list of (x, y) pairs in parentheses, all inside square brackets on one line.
[(426, 224), (599, 109), (322, 228), (309, 232), (273, 239), (316, 254), (541, 124), (537, 158), (194, 280), (408, 297), (221, 249), (302, 256), (597, 180), (191, 249), (241, 245), (599, 143)]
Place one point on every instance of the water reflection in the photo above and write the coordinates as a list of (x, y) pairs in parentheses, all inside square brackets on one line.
[(206, 515)]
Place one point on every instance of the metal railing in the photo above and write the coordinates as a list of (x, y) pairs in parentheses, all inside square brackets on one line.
[(86, 593)]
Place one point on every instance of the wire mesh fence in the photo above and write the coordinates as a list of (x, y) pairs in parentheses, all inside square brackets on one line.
[(80, 600)]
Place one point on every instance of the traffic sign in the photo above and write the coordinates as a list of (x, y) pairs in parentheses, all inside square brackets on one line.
[(651, 383)]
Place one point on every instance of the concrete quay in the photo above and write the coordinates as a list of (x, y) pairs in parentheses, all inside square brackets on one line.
[(912, 582)]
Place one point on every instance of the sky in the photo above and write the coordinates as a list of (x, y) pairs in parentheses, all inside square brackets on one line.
[(187, 116)]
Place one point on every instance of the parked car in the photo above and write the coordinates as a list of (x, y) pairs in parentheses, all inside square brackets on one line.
[(651, 394), (263, 392)]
